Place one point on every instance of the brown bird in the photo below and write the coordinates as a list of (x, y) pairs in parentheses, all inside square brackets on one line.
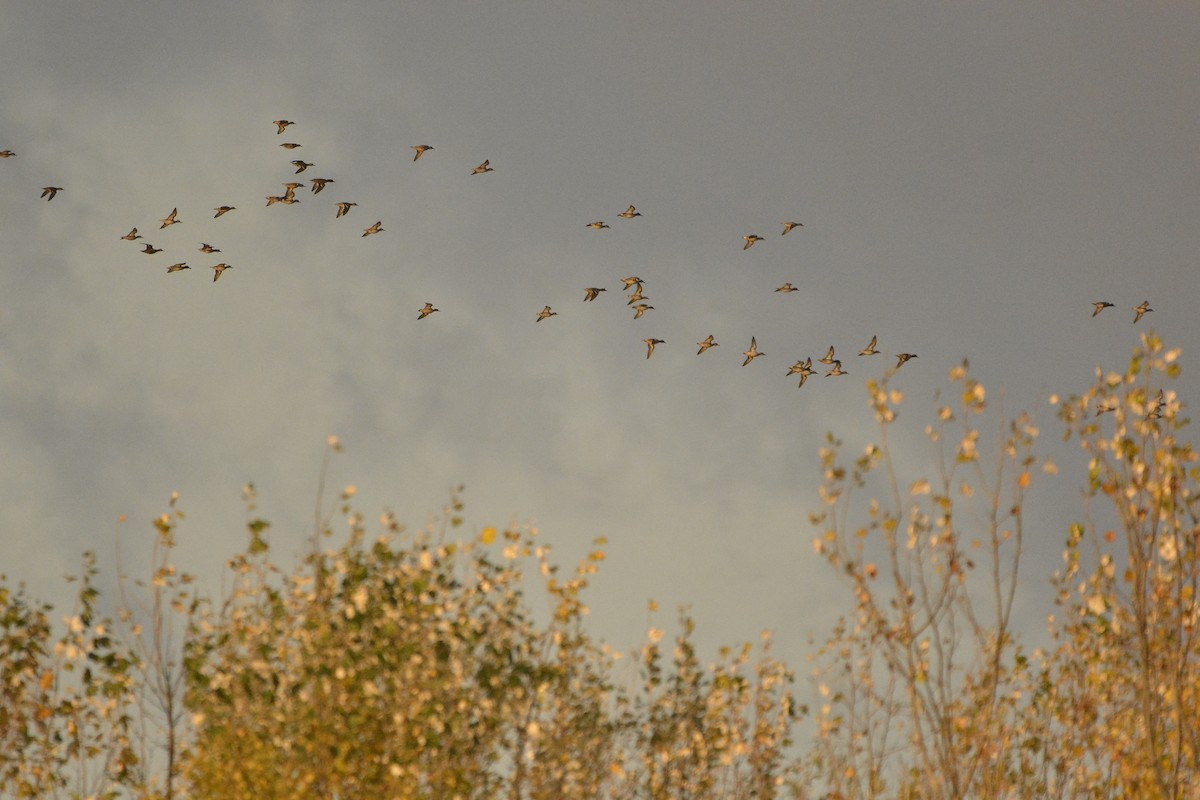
[(591, 294), (283, 123), (223, 210), (787, 287), (301, 165), (272, 200), (482, 168), (177, 267), (837, 369), (376, 228), (290, 190), (598, 225), (752, 353), (629, 213), (344, 209), (133, 234), (650, 345), (869, 350), (707, 343), (319, 183), (7, 154), (218, 269), (420, 148), (205, 247), (151, 249), (50, 191), (546, 312), (641, 308), (636, 295), (169, 219), (291, 145), (787, 227), (903, 357), (750, 240), (1100, 305), (426, 311), (1141, 310), (828, 359), (631, 281)]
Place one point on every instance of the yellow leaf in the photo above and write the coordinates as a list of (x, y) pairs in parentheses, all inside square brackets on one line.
[(487, 535)]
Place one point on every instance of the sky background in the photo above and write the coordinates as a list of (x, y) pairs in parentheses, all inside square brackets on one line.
[(970, 178)]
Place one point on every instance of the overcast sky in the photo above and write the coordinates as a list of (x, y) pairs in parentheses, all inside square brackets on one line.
[(970, 178)]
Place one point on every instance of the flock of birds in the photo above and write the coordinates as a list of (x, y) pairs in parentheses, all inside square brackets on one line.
[(633, 284)]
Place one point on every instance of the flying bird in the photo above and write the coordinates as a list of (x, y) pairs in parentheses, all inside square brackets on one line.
[(420, 148), (598, 225), (301, 165), (218, 269), (319, 183), (291, 145), (752, 353), (787, 287), (828, 359), (650, 345), (787, 227), (272, 200), (50, 191), (150, 249), (591, 294), (344, 209), (223, 210), (177, 267), (290, 190), (631, 281), (133, 234), (903, 357), (7, 154), (636, 295), (482, 168), (283, 123), (869, 350), (629, 213), (546, 312), (1141, 310), (205, 247), (169, 219), (707, 343), (837, 369), (1100, 306), (750, 240), (376, 228), (426, 311), (639, 309)]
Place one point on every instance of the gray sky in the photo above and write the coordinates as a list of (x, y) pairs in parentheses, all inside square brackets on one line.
[(970, 177)]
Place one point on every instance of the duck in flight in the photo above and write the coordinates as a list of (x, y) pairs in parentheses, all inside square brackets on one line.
[(752, 353), (426, 311), (707, 343), (650, 345)]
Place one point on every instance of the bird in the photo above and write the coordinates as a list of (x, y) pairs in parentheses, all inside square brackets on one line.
[(223, 210), (787, 287), (7, 154), (283, 123), (837, 369), (803, 369), (344, 209), (631, 281), (752, 353), (272, 200), (426, 311), (591, 294), (376, 228), (205, 247), (598, 225), (707, 343), (750, 240), (902, 357), (1142, 309), (177, 267), (629, 213), (169, 219), (1100, 306), (546, 312), (150, 249), (291, 145), (650, 345), (218, 269), (787, 227), (289, 199), (828, 359), (869, 350), (482, 168), (639, 309), (636, 295), (133, 234), (420, 148), (50, 191), (319, 183), (301, 165)]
